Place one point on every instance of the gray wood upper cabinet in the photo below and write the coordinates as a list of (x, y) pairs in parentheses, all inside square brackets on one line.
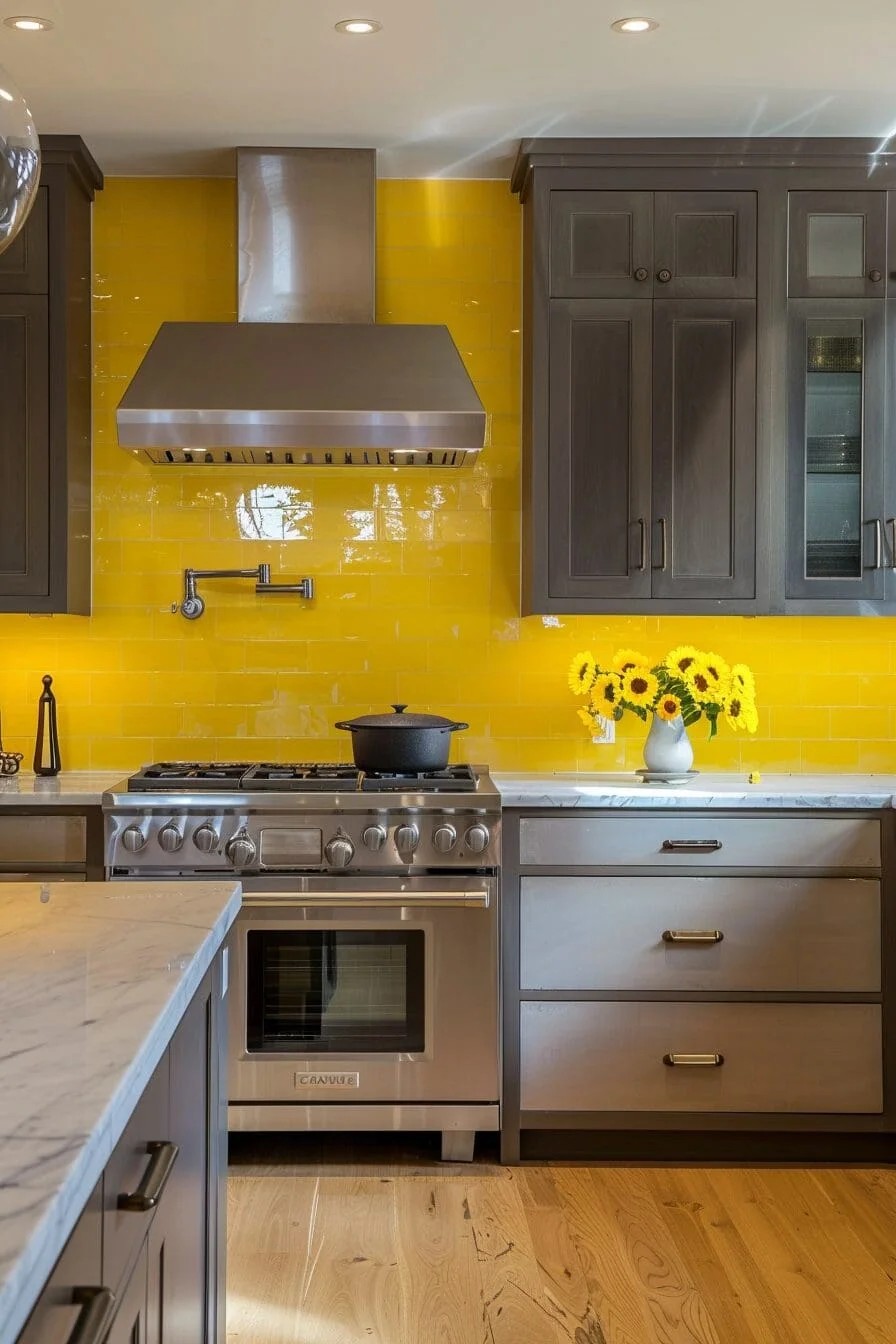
[(837, 244), (45, 383), (753, 453), (641, 244)]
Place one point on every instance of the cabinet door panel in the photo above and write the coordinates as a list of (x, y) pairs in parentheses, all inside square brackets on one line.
[(24, 264), (599, 241), (835, 437), (704, 449), (130, 1324), (838, 244), (24, 447), (599, 480), (706, 242)]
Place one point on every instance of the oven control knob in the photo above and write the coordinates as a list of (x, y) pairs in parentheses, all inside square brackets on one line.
[(170, 838), (205, 838), (339, 852), (133, 838), (407, 839), (374, 837), (476, 838), (241, 850), (444, 838)]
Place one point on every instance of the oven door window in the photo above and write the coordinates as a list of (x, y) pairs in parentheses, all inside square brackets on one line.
[(335, 991)]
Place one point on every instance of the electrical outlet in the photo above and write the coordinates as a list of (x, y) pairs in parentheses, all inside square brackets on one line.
[(606, 732)]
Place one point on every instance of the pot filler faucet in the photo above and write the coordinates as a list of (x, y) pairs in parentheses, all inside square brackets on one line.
[(193, 605)]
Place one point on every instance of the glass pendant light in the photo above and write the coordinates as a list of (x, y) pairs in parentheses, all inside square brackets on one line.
[(19, 160)]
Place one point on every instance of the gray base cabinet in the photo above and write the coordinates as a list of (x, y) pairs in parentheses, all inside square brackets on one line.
[(707, 327), (145, 1262), (698, 974)]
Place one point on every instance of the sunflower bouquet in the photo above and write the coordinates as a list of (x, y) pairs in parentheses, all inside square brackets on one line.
[(688, 684)]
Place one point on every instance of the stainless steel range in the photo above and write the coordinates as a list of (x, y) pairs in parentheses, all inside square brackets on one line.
[(365, 963)]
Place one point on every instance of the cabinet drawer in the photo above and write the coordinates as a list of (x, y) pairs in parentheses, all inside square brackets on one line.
[(55, 1314), (758, 933), (125, 1229), (36, 842), (786, 1057), (701, 841)]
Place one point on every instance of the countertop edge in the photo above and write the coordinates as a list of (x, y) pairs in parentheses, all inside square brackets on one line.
[(620, 792), (28, 1274)]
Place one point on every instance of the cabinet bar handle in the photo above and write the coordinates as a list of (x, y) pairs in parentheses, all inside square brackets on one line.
[(97, 1308), (891, 524), (692, 935), (643, 561), (690, 846), (878, 543), (694, 1061), (662, 527), (162, 1157)]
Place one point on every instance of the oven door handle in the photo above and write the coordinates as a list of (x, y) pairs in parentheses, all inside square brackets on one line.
[(368, 900)]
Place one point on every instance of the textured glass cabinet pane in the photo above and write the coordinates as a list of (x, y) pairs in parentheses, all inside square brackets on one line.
[(836, 245), (833, 449)]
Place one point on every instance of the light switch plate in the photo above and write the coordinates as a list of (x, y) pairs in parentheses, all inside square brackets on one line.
[(606, 732)]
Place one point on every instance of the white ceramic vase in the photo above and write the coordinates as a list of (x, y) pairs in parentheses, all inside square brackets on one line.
[(668, 748)]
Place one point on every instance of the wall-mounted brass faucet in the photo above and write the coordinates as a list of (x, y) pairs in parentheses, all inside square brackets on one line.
[(193, 605)]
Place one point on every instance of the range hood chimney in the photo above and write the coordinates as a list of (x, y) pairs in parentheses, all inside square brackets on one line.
[(306, 376)]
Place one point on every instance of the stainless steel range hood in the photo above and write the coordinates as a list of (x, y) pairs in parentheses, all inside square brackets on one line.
[(306, 376)]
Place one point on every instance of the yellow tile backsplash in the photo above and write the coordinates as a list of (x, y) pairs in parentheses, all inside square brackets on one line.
[(416, 571)]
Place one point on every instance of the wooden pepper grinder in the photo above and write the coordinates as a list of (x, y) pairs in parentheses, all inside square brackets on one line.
[(46, 747)]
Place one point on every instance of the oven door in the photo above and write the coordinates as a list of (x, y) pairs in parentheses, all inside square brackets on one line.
[(365, 990)]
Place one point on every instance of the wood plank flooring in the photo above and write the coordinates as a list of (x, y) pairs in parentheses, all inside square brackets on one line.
[(420, 1253)]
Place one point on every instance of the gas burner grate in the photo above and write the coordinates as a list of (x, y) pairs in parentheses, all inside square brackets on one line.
[(453, 779), (164, 775), (316, 777)]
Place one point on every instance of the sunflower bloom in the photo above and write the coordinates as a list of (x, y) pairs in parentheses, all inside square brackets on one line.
[(668, 707), (582, 671), (718, 669), (606, 693), (700, 684), (740, 713), (639, 686), (679, 660), (742, 680), (625, 659)]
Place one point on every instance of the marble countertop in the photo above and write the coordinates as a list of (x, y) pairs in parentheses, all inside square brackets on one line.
[(94, 979), (71, 788), (728, 790)]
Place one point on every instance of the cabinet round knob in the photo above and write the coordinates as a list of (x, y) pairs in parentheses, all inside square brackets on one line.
[(407, 838), (240, 850), (205, 838), (477, 837), (444, 839), (641, 273), (374, 837), (133, 838), (170, 838), (339, 852), (664, 276), (875, 276)]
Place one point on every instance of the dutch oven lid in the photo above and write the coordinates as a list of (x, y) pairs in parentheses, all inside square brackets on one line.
[(401, 720)]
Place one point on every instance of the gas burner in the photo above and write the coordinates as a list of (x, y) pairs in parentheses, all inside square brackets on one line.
[(317, 777), (164, 775), (453, 779)]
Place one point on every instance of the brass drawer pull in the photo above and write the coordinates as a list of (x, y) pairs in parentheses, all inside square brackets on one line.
[(692, 935), (148, 1193), (97, 1309), (691, 846), (694, 1061)]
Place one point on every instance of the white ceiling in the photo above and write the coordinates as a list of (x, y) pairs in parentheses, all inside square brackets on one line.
[(449, 86)]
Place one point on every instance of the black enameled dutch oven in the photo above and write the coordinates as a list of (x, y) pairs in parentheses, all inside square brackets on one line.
[(401, 743)]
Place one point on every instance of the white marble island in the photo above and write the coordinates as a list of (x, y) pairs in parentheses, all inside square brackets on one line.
[(94, 980)]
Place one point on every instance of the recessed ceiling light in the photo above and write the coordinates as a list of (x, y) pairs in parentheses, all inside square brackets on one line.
[(358, 26), (28, 23), (634, 25)]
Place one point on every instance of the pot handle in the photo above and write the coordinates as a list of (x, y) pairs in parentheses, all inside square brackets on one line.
[(343, 725), (456, 726)]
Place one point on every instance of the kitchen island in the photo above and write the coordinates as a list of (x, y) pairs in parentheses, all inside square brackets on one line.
[(95, 982)]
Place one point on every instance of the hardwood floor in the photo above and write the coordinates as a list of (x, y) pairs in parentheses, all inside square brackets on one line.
[(419, 1253)]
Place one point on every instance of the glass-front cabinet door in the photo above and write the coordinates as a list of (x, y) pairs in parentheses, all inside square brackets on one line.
[(838, 244), (835, 486)]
